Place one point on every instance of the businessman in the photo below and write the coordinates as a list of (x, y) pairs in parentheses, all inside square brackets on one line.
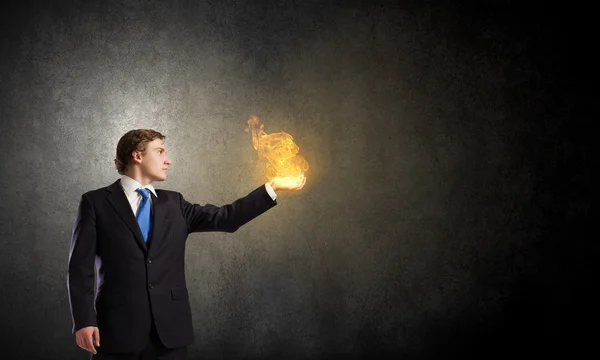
[(133, 238)]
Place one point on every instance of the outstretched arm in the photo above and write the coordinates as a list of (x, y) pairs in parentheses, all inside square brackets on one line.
[(230, 217), (227, 218)]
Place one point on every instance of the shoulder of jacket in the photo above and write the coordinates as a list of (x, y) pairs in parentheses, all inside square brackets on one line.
[(169, 193)]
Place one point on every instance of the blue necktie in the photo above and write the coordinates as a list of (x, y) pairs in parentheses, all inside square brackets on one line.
[(143, 215)]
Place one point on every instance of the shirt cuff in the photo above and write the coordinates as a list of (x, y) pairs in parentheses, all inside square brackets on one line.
[(270, 191)]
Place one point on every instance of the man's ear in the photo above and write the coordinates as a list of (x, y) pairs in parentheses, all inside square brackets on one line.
[(137, 156)]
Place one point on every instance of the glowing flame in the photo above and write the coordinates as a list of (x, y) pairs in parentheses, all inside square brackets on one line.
[(280, 153)]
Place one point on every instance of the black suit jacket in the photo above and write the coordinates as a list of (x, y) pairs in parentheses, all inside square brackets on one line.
[(137, 281)]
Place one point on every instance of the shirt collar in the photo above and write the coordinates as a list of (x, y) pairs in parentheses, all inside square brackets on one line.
[(130, 185)]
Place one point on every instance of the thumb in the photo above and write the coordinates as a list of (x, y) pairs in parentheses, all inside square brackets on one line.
[(97, 336)]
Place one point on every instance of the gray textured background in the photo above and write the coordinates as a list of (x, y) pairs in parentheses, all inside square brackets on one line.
[(432, 220)]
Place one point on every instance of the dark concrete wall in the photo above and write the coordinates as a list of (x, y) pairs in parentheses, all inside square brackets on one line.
[(432, 222)]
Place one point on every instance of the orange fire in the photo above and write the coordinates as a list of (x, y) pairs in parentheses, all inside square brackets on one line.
[(280, 153)]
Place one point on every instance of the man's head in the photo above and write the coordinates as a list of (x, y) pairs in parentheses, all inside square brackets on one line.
[(141, 155)]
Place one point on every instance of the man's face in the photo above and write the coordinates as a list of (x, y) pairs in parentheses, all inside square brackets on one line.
[(154, 162)]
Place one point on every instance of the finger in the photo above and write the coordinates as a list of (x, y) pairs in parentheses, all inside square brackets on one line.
[(302, 184), (86, 345), (81, 343), (90, 345), (97, 336)]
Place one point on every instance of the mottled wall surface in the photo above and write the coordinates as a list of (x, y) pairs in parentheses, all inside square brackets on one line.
[(423, 229)]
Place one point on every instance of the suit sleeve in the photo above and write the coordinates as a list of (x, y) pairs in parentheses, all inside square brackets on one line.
[(227, 218), (80, 276)]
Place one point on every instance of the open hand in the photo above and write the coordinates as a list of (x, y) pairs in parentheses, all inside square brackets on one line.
[(87, 337), (287, 184)]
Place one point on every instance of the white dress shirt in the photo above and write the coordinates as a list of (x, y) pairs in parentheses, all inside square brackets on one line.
[(134, 198)]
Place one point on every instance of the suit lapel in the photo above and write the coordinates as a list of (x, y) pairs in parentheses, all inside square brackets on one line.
[(158, 205), (118, 200)]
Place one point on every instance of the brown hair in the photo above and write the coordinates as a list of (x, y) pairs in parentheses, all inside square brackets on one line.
[(133, 140)]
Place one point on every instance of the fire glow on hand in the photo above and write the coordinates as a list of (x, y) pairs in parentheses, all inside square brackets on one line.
[(279, 151)]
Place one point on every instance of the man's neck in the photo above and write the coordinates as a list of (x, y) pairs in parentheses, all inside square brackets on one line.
[(139, 179)]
